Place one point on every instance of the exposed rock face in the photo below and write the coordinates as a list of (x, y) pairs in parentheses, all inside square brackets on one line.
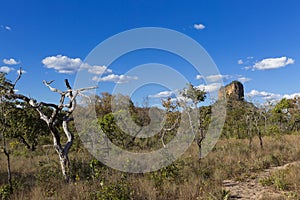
[(232, 91)]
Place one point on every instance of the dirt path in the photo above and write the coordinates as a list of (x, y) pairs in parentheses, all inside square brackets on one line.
[(252, 189)]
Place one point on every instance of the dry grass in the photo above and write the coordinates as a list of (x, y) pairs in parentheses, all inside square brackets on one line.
[(38, 177)]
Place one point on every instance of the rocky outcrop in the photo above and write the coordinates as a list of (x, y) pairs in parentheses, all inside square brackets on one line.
[(232, 91)]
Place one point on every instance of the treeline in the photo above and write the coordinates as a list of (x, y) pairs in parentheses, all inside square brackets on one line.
[(22, 125)]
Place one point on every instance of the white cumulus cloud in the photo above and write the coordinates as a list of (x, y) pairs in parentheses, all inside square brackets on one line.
[(264, 95), (244, 79), (5, 69), (271, 63), (115, 78), (65, 65), (10, 61), (62, 64), (162, 94), (291, 96), (99, 70), (23, 71), (240, 62), (218, 77), (210, 87), (199, 26), (199, 77)]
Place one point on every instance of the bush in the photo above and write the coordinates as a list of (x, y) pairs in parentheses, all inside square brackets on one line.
[(4, 191)]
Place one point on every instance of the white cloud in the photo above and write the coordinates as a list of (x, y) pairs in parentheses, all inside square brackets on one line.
[(23, 71), (199, 26), (271, 63), (65, 65), (115, 78), (199, 77), (62, 64), (5, 69), (8, 28), (218, 77), (291, 96), (10, 61), (210, 87), (99, 70), (162, 94), (240, 62), (244, 79), (5, 28), (272, 97), (265, 95)]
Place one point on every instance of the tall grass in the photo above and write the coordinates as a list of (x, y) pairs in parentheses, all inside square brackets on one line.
[(37, 176)]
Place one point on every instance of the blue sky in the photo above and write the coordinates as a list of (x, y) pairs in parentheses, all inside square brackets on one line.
[(256, 42)]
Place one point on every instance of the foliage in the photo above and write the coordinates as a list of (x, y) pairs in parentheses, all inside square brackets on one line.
[(114, 191), (184, 179), (277, 179), (5, 191)]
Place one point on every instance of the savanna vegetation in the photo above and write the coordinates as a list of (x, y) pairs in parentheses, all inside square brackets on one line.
[(253, 138)]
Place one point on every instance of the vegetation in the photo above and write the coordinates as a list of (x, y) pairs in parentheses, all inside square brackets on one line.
[(29, 168)]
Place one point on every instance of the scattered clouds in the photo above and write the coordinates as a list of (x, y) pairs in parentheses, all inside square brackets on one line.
[(199, 26), (291, 96), (5, 27), (268, 96), (210, 87), (23, 71), (65, 65), (199, 77), (163, 94), (271, 63), (272, 97), (244, 79), (207, 88), (5, 69), (214, 78), (115, 78), (218, 77), (246, 61), (8, 28), (99, 70), (10, 61)]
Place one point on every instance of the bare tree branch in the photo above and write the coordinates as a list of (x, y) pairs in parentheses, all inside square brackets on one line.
[(52, 120)]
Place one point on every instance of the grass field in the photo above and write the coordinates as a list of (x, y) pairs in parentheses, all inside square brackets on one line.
[(37, 175)]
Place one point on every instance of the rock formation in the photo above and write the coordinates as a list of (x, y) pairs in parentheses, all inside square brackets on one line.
[(232, 91)]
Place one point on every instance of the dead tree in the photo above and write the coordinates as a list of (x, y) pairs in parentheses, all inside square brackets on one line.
[(65, 108)]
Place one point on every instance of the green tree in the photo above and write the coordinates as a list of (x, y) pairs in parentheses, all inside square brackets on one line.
[(195, 95), (281, 114)]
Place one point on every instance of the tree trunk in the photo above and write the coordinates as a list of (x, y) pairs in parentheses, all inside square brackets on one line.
[(250, 139), (9, 179), (199, 143), (65, 165), (260, 140), (63, 152)]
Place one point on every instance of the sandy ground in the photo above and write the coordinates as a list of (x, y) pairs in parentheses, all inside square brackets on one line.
[(252, 189)]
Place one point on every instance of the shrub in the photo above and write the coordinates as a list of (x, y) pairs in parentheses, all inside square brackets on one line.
[(5, 191)]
